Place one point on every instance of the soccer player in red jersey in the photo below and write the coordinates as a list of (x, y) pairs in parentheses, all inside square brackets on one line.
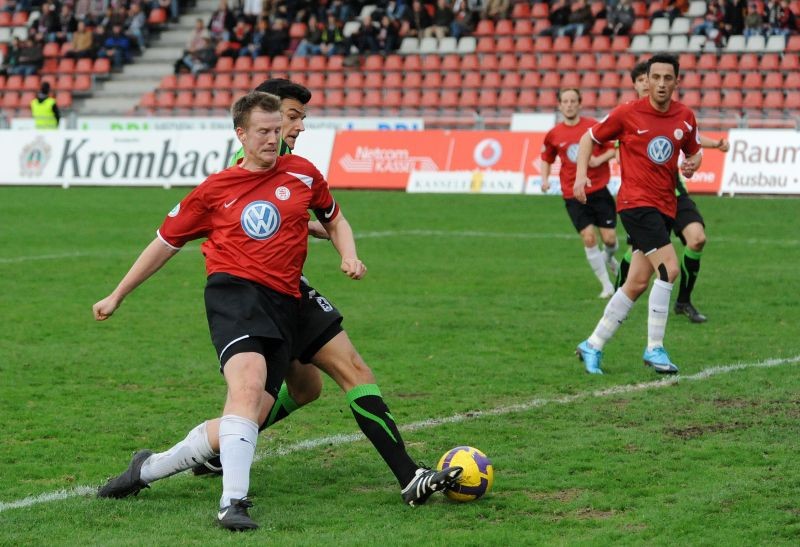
[(651, 132), (689, 224), (599, 211), (254, 217)]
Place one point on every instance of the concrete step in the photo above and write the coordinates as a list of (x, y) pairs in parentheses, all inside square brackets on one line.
[(120, 106), (125, 88)]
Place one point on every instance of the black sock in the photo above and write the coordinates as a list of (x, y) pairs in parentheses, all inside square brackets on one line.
[(624, 266), (690, 267), (375, 421)]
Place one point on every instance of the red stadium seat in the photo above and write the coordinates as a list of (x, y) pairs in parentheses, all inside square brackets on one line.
[(620, 44), (691, 98), (504, 27), (583, 44), (610, 80), (732, 80), (412, 80), (184, 100), (392, 99), (335, 63), (590, 80), (393, 80), (373, 98), (728, 61), (607, 99), (469, 99), (707, 61), (770, 62), (14, 82), (148, 100), (773, 80), (511, 80), (589, 98), (354, 98), (507, 63), (489, 62), (626, 96), (316, 81), (243, 64), (752, 80), (334, 99), (452, 80), (733, 99), (531, 80), (101, 66), (317, 63), (411, 99), (711, 99), (606, 61), (551, 80), (280, 63), (412, 63), (712, 80), (752, 99), (527, 99), (547, 99), (626, 62), (524, 44), (11, 100), (430, 99), (431, 63), (562, 44), (792, 81), (451, 62), (19, 19), (793, 44), (485, 27), (792, 102), (354, 80), (66, 65), (570, 79), (640, 26), (224, 64), (33, 83), (334, 80), (51, 49), (204, 80), (688, 61), (261, 65), (491, 80), (65, 82), (373, 63), (548, 62), (223, 81), (523, 27), (5, 21), (521, 11), (165, 100), (586, 63), (472, 80), (486, 45), (526, 62), (543, 44), (432, 80), (157, 17), (748, 61), (487, 100), (540, 10), (203, 99), (773, 100), (373, 80), (187, 82), (470, 62), (690, 80), (168, 82), (242, 81), (297, 30)]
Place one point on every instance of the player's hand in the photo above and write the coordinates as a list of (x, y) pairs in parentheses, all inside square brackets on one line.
[(105, 308), (579, 188), (353, 268), (545, 186), (315, 229), (688, 167), (724, 145)]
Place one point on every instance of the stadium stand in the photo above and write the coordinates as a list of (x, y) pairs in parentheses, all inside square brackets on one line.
[(484, 67)]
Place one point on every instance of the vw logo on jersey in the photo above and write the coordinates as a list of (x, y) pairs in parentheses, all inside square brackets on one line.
[(572, 153), (261, 220), (660, 150), (487, 152)]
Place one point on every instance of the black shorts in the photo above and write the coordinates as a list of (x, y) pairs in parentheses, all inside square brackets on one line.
[(687, 213), (319, 321), (244, 316), (599, 210), (647, 227)]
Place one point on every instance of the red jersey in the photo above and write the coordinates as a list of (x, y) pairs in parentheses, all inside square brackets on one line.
[(650, 142), (562, 141), (255, 222)]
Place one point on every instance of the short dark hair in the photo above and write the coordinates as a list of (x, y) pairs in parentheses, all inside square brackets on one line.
[(667, 59), (285, 89), (565, 89), (638, 70), (244, 106)]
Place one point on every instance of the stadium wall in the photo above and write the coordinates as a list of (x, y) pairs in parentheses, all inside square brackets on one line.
[(759, 162)]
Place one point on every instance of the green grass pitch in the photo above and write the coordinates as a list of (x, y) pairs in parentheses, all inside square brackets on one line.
[(469, 317)]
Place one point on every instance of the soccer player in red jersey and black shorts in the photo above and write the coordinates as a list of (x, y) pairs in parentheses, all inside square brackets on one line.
[(689, 224), (599, 211), (651, 132), (254, 217)]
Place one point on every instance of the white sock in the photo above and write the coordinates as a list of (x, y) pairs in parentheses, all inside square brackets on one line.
[(186, 454), (610, 251), (615, 313), (658, 311), (598, 264), (237, 446)]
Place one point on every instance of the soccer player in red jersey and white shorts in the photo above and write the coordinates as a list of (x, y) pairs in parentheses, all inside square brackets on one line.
[(652, 131), (599, 211), (254, 217)]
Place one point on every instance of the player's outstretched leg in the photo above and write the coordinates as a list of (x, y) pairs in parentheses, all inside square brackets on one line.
[(129, 483), (598, 264), (690, 268)]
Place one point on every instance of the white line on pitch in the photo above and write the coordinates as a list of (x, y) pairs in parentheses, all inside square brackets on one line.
[(336, 440)]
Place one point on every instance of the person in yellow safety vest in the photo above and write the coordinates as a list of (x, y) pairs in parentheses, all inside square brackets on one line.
[(44, 109)]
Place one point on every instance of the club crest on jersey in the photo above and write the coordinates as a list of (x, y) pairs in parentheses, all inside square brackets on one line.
[(660, 150), (678, 134), (282, 193), (572, 153), (261, 220)]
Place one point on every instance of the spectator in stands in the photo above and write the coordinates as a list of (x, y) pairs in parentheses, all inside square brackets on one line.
[(619, 19), (672, 9), (12, 57), (497, 9), (29, 59), (753, 21), (113, 17), (67, 24), (254, 47), (251, 9), (99, 35), (117, 47), (418, 19), (580, 20), (136, 25), (791, 16), (44, 109), (311, 42), (396, 9), (200, 60), (734, 11), (47, 24), (277, 39), (197, 38), (333, 42), (82, 43), (172, 7), (441, 21), (221, 22), (238, 38), (558, 18), (712, 24), (341, 10), (388, 35), (779, 18)]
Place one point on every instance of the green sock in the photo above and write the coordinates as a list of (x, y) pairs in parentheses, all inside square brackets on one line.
[(284, 405), (690, 268), (377, 424)]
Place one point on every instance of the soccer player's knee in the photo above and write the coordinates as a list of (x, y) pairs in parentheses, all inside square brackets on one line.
[(697, 242), (307, 392), (667, 274)]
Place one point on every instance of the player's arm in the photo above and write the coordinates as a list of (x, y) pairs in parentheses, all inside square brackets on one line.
[(691, 164), (722, 144), (317, 230), (600, 159), (341, 235), (545, 177), (581, 177), (149, 262)]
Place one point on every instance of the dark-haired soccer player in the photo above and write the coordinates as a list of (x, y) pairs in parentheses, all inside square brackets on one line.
[(254, 217), (689, 225), (651, 131), (599, 211)]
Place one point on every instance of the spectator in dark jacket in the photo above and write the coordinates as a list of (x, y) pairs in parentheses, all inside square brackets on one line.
[(117, 47), (558, 18), (443, 17), (333, 42), (620, 19), (734, 16), (418, 19), (310, 44), (277, 39), (221, 22), (30, 58), (581, 20)]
